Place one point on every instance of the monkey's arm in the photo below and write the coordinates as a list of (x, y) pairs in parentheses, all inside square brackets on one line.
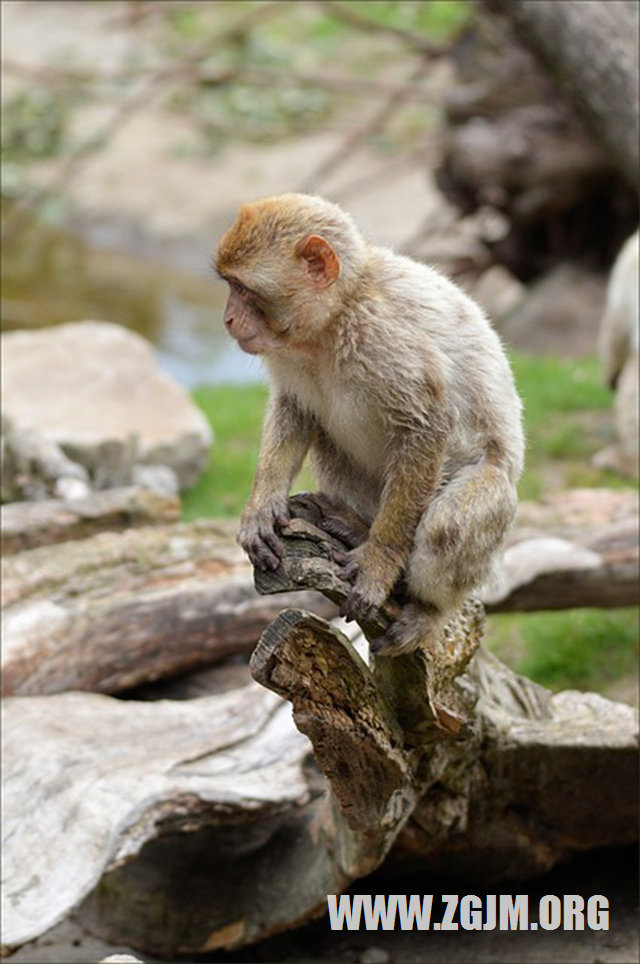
[(286, 436), (413, 473)]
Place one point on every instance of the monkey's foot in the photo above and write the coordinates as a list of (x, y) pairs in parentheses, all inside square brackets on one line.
[(339, 520), (416, 627)]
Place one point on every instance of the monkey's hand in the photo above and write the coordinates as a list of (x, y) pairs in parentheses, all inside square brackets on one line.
[(258, 532), (370, 581)]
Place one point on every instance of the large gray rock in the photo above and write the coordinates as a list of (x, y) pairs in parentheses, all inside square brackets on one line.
[(93, 389)]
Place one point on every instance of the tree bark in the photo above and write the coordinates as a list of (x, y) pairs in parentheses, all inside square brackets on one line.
[(546, 187), (590, 47)]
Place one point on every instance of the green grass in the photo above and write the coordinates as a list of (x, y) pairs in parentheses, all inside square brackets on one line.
[(575, 648), (235, 414), (568, 418)]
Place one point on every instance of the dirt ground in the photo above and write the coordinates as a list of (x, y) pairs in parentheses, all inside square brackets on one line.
[(612, 873)]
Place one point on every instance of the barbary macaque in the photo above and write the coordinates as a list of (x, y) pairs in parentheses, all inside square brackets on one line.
[(618, 348), (395, 383)]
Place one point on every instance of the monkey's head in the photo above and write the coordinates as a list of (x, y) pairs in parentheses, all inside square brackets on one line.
[(289, 262)]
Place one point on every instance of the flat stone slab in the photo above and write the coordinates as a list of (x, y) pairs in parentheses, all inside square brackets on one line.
[(94, 389)]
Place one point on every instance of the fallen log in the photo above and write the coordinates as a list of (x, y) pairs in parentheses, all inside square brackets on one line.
[(121, 609), (541, 139), (182, 827), (571, 549), (27, 525), (592, 53)]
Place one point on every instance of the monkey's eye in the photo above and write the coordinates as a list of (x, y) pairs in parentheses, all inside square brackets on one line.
[(239, 288)]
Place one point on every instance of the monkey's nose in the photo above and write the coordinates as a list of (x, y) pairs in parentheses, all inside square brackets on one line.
[(228, 323)]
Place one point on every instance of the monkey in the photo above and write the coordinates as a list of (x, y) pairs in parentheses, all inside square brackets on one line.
[(393, 381), (618, 350)]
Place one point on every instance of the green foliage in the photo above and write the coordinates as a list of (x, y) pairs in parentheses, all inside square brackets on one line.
[(580, 648), (436, 19), (33, 125), (267, 65)]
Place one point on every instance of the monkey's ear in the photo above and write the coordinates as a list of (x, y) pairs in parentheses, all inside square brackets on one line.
[(320, 260)]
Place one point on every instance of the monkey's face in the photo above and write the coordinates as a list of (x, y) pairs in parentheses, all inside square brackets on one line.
[(246, 321), (281, 274)]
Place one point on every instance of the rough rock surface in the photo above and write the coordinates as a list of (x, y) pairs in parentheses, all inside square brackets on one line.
[(93, 389)]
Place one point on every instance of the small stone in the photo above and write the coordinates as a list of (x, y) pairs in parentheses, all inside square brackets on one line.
[(375, 955), (121, 959)]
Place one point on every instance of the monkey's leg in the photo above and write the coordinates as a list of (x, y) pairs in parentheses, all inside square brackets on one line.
[(453, 553)]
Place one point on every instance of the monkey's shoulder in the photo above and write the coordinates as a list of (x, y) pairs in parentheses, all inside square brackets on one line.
[(423, 297)]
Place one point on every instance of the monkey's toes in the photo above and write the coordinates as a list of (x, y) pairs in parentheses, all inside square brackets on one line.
[(392, 645)]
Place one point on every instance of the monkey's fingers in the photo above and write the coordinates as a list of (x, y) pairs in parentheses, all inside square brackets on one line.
[(388, 646), (263, 557), (342, 530), (342, 558), (269, 548), (413, 629), (349, 567), (263, 548), (356, 606)]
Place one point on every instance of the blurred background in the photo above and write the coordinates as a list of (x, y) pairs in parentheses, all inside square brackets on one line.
[(132, 131)]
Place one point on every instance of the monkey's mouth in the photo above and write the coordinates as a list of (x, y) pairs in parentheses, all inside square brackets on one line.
[(246, 345)]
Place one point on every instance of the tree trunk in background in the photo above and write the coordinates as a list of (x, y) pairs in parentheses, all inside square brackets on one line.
[(591, 50), (540, 143)]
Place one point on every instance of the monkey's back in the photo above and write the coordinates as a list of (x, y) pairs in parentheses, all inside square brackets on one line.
[(433, 324)]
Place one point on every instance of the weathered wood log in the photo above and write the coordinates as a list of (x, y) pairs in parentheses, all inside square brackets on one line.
[(556, 774), (590, 47), (202, 824), (228, 766), (27, 525), (121, 609), (515, 146), (571, 549)]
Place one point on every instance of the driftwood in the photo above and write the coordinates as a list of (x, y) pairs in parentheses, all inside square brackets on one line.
[(122, 609), (574, 548), (185, 827), (27, 525)]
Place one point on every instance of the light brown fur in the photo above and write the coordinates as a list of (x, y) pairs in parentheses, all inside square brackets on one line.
[(394, 381)]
